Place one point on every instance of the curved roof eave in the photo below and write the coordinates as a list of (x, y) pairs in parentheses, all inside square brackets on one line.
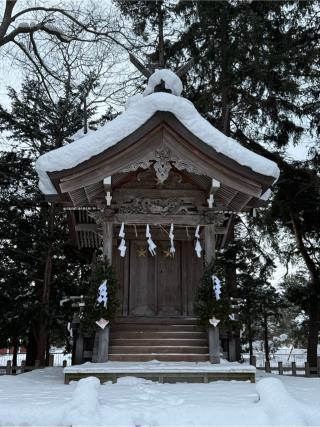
[(138, 113)]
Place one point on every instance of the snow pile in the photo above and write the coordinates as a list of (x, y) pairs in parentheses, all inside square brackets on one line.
[(139, 112), (41, 398), (84, 407), (170, 79), (282, 409), (156, 366)]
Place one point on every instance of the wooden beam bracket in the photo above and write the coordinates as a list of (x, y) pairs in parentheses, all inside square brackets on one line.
[(215, 185), (107, 189)]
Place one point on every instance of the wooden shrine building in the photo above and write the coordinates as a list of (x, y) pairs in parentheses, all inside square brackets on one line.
[(158, 163)]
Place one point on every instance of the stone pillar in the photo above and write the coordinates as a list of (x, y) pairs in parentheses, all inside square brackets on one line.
[(213, 332), (214, 344), (103, 345), (78, 357)]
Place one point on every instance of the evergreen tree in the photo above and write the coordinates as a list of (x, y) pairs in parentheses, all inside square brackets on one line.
[(295, 213), (256, 78), (36, 258)]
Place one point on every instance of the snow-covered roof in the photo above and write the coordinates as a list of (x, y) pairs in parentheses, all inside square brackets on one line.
[(139, 110)]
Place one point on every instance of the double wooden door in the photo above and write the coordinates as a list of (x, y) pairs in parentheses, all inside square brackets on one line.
[(161, 285)]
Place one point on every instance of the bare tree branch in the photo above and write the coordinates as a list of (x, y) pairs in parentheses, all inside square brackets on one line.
[(42, 78)]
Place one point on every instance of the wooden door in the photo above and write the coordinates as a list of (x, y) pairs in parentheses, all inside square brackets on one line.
[(191, 272), (162, 285), (169, 292), (142, 283)]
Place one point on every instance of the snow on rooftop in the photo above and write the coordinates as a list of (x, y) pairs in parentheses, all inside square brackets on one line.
[(139, 110), (266, 195), (170, 79)]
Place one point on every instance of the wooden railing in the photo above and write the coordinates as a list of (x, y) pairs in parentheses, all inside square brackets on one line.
[(10, 369), (290, 369)]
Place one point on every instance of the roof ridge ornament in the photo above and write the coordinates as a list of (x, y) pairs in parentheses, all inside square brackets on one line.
[(161, 79), (147, 72)]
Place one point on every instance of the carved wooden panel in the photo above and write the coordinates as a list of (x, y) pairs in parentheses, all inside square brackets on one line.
[(162, 161), (148, 179)]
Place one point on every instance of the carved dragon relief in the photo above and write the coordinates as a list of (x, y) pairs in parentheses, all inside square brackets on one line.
[(168, 206), (164, 207), (162, 161)]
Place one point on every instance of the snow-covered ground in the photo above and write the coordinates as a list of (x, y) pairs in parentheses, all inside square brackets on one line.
[(40, 398)]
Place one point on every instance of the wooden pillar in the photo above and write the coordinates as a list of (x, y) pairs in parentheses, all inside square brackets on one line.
[(51, 359), (101, 345), (107, 240), (209, 243), (294, 368), (8, 368), (280, 368), (307, 369), (210, 254)]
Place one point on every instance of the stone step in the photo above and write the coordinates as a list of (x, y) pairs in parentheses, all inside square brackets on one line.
[(159, 342), (149, 334), (158, 349), (160, 357)]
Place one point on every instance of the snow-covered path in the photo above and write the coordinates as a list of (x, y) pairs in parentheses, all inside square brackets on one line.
[(41, 398)]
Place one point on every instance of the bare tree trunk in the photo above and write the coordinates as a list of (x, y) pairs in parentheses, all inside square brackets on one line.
[(15, 353), (225, 75), (266, 337), (48, 350), (160, 33), (43, 324), (31, 347), (85, 116), (250, 339), (313, 335)]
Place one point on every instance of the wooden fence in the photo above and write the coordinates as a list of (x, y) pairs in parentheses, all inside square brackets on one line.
[(9, 369), (290, 369)]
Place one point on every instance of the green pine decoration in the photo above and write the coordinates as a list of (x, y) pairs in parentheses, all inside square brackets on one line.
[(206, 305), (93, 310)]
